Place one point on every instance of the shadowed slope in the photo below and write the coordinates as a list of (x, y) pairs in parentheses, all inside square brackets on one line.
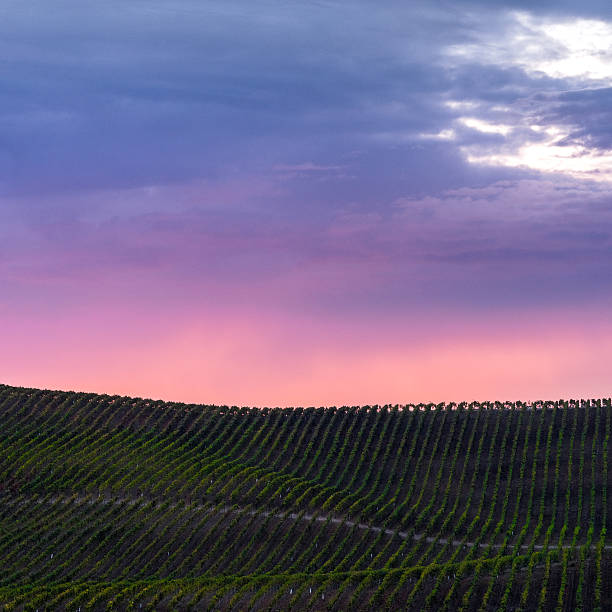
[(121, 502)]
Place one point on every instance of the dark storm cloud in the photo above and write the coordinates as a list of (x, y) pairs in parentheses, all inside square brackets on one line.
[(99, 95), (588, 113), (301, 126), (128, 94)]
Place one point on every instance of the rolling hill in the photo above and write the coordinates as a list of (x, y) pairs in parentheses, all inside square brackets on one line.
[(111, 502)]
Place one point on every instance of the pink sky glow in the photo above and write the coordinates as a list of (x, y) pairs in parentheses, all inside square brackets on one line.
[(230, 358), (307, 202)]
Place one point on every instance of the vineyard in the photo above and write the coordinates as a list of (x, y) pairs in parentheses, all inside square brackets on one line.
[(110, 502)]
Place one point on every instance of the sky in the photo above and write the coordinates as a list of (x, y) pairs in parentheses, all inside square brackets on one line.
[(307, 202)]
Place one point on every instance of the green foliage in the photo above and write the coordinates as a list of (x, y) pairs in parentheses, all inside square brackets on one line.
[(114, 503)]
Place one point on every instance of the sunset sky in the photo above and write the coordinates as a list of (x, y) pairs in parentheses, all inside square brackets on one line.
[(307, 202)]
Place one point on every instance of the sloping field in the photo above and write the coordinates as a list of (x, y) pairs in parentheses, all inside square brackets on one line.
[(119, 503)]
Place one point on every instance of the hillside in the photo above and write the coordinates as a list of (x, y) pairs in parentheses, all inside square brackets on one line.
[(121, 503)]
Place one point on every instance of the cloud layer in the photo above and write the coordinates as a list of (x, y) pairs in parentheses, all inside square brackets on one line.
[(409, 169)]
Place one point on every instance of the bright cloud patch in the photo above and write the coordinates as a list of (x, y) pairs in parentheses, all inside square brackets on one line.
[(578, 53), (549, 155), (486, 126), (578, 48)]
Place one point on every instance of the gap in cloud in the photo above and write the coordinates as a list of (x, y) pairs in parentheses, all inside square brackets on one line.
[(557, 57)]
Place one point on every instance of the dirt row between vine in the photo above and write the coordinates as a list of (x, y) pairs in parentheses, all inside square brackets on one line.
[(91, 499)]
